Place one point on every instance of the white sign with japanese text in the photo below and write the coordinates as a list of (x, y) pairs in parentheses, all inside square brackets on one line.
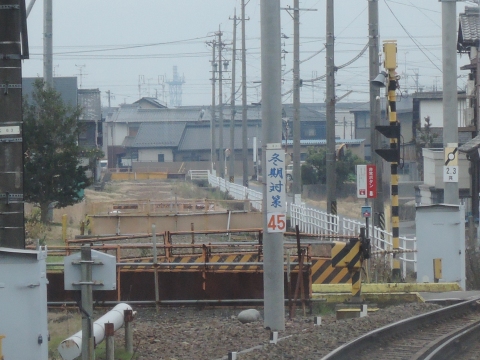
[(362, 181), (275, 188)]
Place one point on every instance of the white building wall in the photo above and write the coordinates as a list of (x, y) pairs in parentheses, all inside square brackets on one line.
[(151, 155), (114, 134), (434, 109)]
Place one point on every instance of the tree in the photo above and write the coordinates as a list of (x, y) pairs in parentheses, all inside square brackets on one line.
[(52, 172), (314, 171)]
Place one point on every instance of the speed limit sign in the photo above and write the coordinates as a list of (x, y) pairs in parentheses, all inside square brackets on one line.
[(276, 223)]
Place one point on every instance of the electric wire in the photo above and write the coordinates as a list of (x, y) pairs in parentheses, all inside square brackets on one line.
[(411, 37)]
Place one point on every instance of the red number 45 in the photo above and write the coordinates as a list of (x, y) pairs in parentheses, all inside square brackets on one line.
[(276, 223)]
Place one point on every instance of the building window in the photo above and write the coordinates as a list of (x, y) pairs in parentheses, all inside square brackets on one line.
[(161, 157), (363, 122)]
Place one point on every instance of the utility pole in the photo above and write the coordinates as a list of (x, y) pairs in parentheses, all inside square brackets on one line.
[(48, 43), (244, 103), (109, 96), (297, 175), (375, 111), (221, 153), (231, 163), (273, 273), (213, 154), (13, 49), (450, 100), (330, 107)]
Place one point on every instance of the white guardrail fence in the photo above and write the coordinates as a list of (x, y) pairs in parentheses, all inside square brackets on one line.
[(315, 221)]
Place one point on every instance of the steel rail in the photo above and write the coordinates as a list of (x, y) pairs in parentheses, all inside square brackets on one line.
[(450, 346), (351, 349)]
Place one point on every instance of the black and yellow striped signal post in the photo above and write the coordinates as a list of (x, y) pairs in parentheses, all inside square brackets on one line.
[(350, 255), (392, 155)]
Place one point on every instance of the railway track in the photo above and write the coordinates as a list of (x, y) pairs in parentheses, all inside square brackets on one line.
[(446, 333)]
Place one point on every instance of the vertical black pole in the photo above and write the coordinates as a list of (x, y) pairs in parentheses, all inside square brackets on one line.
[(13, 45)]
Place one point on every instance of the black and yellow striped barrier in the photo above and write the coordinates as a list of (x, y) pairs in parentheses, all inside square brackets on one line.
[(321, 269), (349, 256)]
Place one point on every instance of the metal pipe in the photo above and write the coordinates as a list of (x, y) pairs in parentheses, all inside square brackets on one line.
[(70, 348), (167, 264), (174, 302)]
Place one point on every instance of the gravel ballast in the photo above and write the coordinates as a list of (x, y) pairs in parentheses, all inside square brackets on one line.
[(188, 333)]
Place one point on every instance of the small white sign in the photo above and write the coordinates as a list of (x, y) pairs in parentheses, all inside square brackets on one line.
[(450, 174), (362, 181), (9, 130)]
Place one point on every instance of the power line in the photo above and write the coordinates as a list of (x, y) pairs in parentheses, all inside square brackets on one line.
[(411, 37), (136, 46)]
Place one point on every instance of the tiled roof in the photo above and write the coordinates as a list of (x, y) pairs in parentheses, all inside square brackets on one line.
[(324, 142), (404, 104), (199, 138), (166, 134), (133, 113), (469, 27), (470, 145), (151, 101)]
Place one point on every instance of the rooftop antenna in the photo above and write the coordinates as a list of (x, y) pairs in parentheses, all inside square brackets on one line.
[(81, 74)]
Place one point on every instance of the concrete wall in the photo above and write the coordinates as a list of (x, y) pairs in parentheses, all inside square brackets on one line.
[(132, 224), (152, 154)]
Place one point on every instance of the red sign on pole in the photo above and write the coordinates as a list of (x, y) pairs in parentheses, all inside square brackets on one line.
[(371, 181)]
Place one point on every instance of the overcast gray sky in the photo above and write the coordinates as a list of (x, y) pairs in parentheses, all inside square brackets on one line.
[(127, 47)]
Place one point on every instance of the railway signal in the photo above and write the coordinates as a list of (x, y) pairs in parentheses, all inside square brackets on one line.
[(392, 131)]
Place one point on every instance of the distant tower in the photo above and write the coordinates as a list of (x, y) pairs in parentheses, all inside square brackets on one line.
[(175, 87)]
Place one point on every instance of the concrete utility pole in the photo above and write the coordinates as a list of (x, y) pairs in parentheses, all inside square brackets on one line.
[(13, 48), (213, 153), (297, 174), (272, 134), (48, 43), (221, 152), (231, 163), (244, 103), (330, 106), (450, 100), (375, 111)]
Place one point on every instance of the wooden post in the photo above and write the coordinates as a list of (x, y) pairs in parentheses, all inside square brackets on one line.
[(110, 341), (192, 228), (64, 228), (128, 317)]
